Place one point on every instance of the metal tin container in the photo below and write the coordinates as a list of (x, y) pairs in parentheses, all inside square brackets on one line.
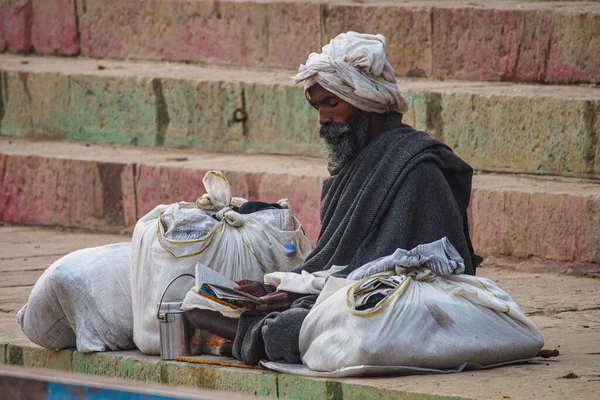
[(175, 329)]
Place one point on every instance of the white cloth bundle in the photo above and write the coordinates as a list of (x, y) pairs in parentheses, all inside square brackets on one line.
[(353, 66), (83, 300), (441, 323)]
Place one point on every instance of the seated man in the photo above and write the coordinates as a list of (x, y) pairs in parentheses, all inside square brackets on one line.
[(390, 187)]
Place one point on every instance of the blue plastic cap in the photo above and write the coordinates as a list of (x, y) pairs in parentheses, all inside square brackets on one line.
[(290, 248)]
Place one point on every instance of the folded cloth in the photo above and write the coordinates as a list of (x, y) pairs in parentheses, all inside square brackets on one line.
[(439, 256), (303, 282)]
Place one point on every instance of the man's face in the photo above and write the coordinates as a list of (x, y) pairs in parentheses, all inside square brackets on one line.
[(344, 127), (331, 108)]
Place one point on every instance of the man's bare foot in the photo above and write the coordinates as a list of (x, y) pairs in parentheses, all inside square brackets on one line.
[(213, 322)]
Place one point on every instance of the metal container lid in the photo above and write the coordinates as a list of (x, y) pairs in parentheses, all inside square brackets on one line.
[(171, 307)]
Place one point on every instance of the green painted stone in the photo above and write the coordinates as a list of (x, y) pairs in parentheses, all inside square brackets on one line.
[(213, 127), (258, 383), (119, 365), (176, 373), (16, 109), (281, 121), (181, 102), (299, 387), (37, 357), (14, 355), (223, 379), (519, 134), (424, 112), (119, 110), (3, 353), (31, 104)]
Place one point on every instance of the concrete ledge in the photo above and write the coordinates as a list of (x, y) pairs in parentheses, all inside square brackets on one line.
[(135, 366), (511, 215), (495, 127), (544, 42)]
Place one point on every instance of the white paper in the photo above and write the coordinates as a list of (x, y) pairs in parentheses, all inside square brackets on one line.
[(210, 276), (222, 286)]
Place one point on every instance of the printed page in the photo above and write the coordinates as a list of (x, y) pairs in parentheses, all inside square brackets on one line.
[(210, 276), (222, 286)]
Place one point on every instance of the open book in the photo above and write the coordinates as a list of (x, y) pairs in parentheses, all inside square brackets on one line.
[(210, 282)]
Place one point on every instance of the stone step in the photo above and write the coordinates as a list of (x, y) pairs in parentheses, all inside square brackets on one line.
[(497, 127), (531, 41), (106, 188)]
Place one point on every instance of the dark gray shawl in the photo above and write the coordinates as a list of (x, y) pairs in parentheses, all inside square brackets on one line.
[(403, 189)]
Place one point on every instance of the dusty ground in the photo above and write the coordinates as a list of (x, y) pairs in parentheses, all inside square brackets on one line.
[(566, 309)]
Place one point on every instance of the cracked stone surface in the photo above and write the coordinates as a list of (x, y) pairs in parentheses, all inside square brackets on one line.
[(566, 308)]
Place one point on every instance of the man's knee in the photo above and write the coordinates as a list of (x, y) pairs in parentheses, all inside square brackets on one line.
[(281, 332)]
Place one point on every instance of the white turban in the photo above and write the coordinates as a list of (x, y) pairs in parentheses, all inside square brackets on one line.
[(354, 68)]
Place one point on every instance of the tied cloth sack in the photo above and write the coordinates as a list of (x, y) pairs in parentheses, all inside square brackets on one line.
[(425, 323), (83, 300), (170, 240)]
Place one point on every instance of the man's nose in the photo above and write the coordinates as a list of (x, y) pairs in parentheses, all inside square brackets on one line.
[(324, 119)]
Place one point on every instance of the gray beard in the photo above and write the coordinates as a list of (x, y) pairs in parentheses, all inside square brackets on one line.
[(345, 141)]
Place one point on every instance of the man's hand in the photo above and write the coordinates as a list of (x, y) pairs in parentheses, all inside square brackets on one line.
[(277, 301), (251, 287)]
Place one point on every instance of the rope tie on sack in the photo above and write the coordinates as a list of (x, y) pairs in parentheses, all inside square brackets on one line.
[(218, 199)]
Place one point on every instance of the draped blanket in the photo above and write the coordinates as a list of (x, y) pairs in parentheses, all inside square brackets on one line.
[(403, 189)]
